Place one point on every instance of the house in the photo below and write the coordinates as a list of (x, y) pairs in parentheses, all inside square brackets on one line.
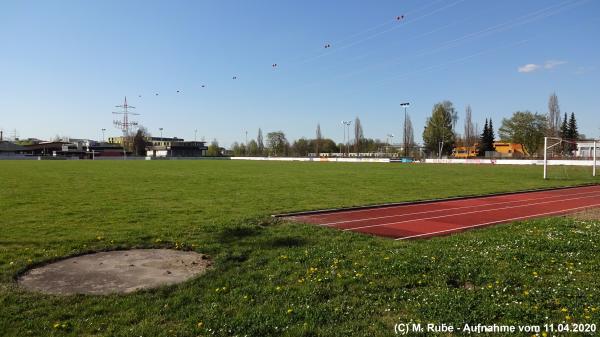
[(584, 149)]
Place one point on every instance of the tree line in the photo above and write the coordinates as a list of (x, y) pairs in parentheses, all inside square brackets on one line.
[(523, 127)]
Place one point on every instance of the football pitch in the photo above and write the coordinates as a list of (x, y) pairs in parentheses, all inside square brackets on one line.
[(276, 278)]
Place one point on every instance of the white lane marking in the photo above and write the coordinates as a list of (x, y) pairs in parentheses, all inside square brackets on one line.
[(464, 213), (459, 199), (494, 222), (447, 209)]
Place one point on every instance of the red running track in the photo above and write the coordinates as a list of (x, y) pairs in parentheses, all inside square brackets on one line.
[(435, 218)]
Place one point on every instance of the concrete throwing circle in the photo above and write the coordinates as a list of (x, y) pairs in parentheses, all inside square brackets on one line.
[(123, 271)]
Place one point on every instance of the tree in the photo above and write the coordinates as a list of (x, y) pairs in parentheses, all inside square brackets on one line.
[(253, 148), (140, 141), (213, 149), (525, 128), (487, 139), (259, 142), (564, 134), (277, 143), (358, 135), (300, 147), (327, 145), (238, 149), (449, 107), (572, 131), (469, 135), (318, 140), (572, 134), (438, 134), (553, 116)]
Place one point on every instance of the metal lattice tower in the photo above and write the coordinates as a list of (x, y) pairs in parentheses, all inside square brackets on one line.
[(125, 124)]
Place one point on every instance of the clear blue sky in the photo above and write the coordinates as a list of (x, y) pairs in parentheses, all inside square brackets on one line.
[(65, 64)]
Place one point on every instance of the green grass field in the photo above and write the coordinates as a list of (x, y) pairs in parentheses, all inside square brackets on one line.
[(279, 279)]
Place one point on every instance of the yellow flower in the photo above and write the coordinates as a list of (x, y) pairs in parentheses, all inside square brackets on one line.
[(535, 274), (278, 288), (11, 263), (544, 334), (568, 318), (526, 293), (56, 325), (289, 311), (200, 324), (564, 310)]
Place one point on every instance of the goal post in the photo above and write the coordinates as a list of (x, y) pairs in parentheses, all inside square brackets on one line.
[(580, 153)]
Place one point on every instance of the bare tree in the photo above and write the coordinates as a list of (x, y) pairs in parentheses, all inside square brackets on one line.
[(553, 116), (318, 139), (358, 135), (470, 134), (259, 143)]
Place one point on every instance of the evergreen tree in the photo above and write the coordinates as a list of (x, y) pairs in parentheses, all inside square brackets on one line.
[(483, 139), (564, 128), (491, 137), (573, 133)]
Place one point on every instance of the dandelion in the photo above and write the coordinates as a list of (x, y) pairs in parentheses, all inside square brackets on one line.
[(200, 324), (526, 293), (535, 274), (56, 325), (568, 318), (158, 241), (289, 311), (278, 288), (11, 263), (564, 310)]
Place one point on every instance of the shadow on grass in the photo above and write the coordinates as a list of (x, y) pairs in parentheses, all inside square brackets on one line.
[(284, 242), (237, 233)]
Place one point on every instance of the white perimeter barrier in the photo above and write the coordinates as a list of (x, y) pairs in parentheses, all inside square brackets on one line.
[(511, 162), (321, 159)]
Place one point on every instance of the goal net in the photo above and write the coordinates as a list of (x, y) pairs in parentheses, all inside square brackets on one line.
[(566, 159)]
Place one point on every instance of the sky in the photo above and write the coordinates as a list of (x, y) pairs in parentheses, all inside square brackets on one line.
[(64, 65)]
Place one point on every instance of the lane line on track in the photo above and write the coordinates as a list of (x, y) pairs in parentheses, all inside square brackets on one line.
[(459, 214), (445, 209), (495, 222), (425, 202)]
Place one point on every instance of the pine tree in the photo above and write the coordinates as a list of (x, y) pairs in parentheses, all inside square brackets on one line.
[(572, 128), (483, 139), (564, 128), (491, 137), (572, 134)]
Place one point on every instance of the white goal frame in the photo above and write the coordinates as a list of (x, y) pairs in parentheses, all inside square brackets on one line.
[(560, 141)]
